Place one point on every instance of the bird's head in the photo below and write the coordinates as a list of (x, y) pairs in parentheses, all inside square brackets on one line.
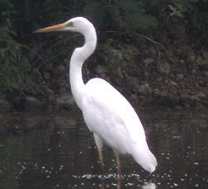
[(77, 24)]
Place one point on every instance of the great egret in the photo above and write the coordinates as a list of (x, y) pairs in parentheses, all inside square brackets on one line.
[(106, 111)]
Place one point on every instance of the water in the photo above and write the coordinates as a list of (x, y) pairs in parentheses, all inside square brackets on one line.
[(62, 155)]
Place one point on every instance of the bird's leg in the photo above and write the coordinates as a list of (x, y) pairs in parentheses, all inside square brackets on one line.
[(119, 177), (99, 144)]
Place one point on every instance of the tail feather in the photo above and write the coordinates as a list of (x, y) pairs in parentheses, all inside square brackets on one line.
[(145, 158)]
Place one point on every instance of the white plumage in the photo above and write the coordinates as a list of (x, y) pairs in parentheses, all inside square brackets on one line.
[(106, 111), (108, 114)]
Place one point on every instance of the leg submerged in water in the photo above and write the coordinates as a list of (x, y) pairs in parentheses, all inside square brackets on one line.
[(119, 176), (99, 145)]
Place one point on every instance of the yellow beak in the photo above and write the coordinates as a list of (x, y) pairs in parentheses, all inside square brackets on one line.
[(56, 27)]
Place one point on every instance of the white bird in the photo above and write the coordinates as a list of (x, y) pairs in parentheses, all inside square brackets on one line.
[(106, 112)]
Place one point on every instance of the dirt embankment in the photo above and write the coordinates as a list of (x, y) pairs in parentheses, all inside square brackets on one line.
[(145, 71)]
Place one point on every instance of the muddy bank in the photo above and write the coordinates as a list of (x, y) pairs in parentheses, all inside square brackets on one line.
[(147, 72), (18, 123), (21, 122)]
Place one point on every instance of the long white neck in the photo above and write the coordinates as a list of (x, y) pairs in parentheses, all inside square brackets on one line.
[(77, 59)]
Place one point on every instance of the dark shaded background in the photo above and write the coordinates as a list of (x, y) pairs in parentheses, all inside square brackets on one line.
[(154, 51)]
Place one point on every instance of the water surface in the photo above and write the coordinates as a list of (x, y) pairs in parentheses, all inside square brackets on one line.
[(62, 155)]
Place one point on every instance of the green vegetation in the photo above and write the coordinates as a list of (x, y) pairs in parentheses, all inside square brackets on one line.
[(15, 67), (22, 62)]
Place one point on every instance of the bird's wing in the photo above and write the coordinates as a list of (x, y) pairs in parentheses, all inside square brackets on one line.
[(107, 113)]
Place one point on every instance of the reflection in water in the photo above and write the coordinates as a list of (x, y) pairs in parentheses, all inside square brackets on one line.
[(149, 186), (64, 156)]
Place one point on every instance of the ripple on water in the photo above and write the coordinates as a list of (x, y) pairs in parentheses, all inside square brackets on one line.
[(66, 157)]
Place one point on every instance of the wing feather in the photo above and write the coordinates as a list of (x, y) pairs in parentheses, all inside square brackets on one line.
[(107, 113)]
